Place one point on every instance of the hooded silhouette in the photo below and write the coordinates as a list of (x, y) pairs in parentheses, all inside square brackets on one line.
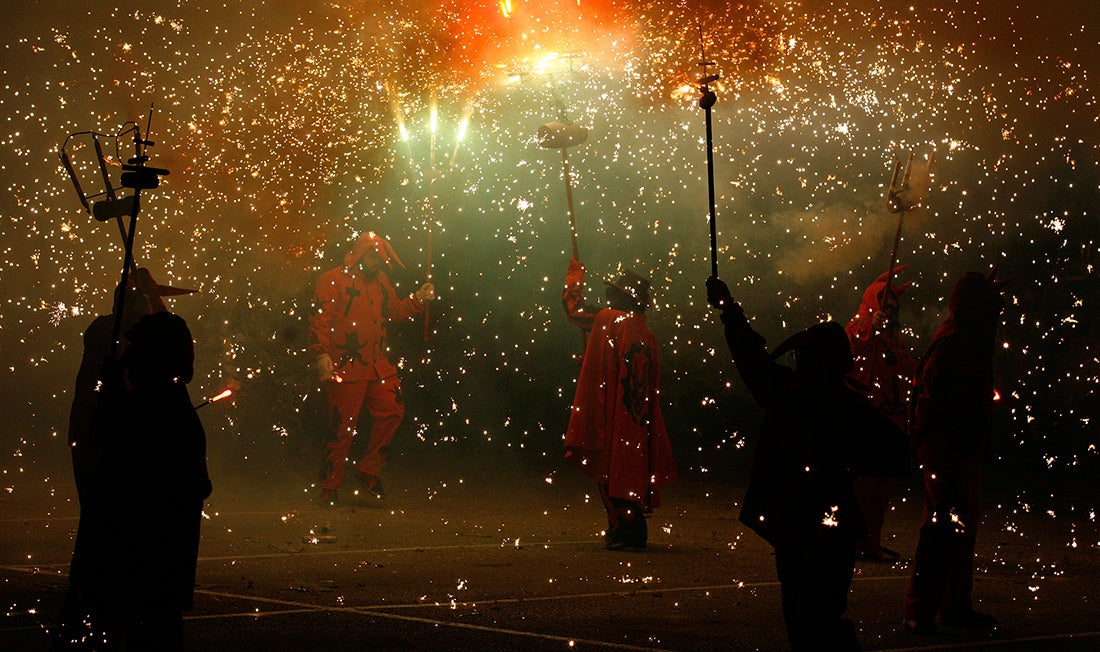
[(146, 491), (817, 434), (143, 296), (953, 403)]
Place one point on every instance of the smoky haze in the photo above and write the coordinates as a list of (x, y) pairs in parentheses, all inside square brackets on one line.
[(291, 129)]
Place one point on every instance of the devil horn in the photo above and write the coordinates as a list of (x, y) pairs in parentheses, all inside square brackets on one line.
[(392, 254), (997, 283)]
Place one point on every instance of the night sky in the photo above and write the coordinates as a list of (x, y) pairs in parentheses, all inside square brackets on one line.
[(290, 128)]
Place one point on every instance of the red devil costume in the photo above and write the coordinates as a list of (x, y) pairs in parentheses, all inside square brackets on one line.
[(953, 402), (817, 434), (347, 331), (616, 431), (885, 369)]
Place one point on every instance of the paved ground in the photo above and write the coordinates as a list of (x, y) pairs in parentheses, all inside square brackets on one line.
[(497, 551)]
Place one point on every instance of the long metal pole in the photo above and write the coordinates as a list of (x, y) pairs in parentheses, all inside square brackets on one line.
[(126, 264), (710, 185), (894, 250), (569, 200), (895, 205), (706, 101), (434, 122), (428, 305)]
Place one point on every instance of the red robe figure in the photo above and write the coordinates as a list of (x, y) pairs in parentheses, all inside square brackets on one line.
[(884, 368), (817, 434), (952, 424), (616, 431), (347, 338)]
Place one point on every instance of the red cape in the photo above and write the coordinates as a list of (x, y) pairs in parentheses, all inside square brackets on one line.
[(617, 432)]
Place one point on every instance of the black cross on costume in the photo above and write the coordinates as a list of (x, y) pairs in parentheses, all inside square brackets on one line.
[(352, 293), (351, 349)]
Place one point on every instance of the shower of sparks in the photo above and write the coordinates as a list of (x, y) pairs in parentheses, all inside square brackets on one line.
[(288, 133)]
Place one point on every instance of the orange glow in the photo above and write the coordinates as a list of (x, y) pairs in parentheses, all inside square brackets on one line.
[(226, 393)]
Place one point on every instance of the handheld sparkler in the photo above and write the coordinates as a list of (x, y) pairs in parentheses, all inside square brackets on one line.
[(707, 99), (226, 393)]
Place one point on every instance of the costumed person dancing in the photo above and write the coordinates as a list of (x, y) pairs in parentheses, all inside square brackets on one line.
[(817, 434), (616, 431), (884, 369), (952, 425), (347, 338)]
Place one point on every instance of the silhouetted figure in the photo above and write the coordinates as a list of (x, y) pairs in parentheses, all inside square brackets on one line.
[(953, 402), (817, 434), (77, 623), (347, 338), (884, 370), (616, 431), (150, 483)]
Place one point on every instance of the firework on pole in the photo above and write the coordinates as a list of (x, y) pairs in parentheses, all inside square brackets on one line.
[(707, 99), (434, 172), (902, 198), (560, 135), (137, 176)]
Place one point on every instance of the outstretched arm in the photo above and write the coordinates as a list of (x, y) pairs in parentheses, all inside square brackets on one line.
[(747, 347), (579, 312), (408, 307)]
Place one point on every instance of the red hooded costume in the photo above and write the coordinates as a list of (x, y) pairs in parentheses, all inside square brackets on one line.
[(616, 431), (884, 368), (882, 360), (349, 323), (349, 326)]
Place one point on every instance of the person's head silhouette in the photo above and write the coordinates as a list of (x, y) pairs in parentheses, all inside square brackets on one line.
[(822, 352)]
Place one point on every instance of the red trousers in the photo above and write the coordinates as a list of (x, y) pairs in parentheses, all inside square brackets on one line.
[(943, 565), (873, 495), (387, 409)]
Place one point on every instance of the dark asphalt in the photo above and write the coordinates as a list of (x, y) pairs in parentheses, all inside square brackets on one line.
[(491, 550)]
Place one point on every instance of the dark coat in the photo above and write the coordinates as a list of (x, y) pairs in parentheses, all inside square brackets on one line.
[(151, 482), (815, 437), (953, 393)]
